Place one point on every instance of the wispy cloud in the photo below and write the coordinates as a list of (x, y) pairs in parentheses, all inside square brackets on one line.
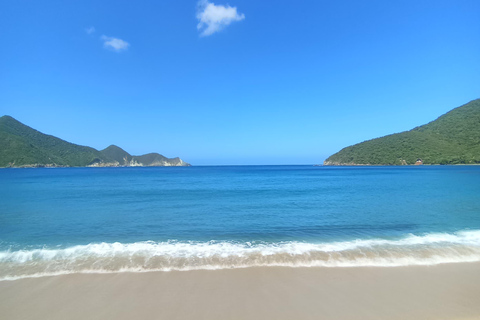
[(213, 18), (114, 43), (90, 30)]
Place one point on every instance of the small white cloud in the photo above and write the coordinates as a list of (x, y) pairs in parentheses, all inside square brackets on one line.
[(114, 43), (213, 18), (90, 30)]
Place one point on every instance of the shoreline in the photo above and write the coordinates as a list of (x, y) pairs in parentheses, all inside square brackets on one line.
[(445, 291), (241, 165), (47, 166)]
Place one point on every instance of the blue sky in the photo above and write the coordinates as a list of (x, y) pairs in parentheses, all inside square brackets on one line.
[(237, 82)]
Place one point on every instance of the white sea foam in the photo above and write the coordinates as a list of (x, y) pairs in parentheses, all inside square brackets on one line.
[(147, 256)]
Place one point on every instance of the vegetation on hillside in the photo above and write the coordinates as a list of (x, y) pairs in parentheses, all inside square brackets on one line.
[(150, 159), (117, 154), (22, 146), (453, 138)]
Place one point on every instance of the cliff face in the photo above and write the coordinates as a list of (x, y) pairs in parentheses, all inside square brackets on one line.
[(453, 138), (22, 146)]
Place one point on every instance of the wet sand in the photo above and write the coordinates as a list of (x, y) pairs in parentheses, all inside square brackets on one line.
[(449, 291)]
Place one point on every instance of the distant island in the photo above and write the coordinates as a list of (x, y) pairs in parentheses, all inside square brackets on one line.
[(453, 138), (22, 146)]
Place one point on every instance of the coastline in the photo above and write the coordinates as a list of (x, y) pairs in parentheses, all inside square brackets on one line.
[(445, 291), (397, 165), (92, 166)]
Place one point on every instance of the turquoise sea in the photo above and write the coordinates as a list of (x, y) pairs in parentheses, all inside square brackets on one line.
[(72, 220)]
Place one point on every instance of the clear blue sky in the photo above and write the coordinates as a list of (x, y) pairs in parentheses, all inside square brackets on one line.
[(237, 82)]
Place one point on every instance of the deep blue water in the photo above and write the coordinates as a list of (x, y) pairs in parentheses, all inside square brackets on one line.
[(82, 205), (64, 207)]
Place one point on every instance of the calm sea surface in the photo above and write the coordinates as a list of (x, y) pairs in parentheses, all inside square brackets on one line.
[(65, 220)]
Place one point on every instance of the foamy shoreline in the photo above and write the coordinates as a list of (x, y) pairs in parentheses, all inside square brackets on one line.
[(150, 256), (447, 291)]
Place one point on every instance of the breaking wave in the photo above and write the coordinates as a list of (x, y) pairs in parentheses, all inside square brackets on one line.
[(428, 249)]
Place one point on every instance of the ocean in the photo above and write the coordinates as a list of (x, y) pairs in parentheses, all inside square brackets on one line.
[(103, 220)]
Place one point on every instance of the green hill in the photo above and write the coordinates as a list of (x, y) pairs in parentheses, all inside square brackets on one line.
[(117, 154), (155, 159), (453, 138), (22, 146), (151, 159)]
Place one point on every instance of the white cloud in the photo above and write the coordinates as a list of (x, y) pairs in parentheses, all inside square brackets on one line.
[(213, 18), (90, 30), (114, 43)]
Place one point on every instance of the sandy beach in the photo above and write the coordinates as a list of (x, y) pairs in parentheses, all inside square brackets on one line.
[(449, 291)]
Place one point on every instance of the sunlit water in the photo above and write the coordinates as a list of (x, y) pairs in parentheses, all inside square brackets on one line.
[(64, 220)]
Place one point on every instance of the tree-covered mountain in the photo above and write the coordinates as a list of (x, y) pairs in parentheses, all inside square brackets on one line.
[(453, 138), (117, 154), (150, 159), (22, 146), (155, 159)]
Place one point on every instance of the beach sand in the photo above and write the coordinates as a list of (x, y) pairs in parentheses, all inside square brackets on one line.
[(449, 291)]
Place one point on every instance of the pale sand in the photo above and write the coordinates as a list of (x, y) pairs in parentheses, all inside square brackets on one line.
[(436, 292)]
